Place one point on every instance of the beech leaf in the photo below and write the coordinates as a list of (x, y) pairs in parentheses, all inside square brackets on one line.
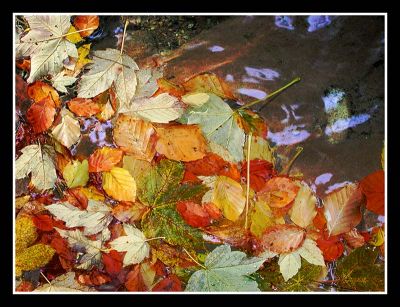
[(119, 184), (303, 210), (68, 131), (76, 173)]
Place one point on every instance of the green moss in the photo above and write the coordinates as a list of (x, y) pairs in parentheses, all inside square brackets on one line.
[(25, 233)]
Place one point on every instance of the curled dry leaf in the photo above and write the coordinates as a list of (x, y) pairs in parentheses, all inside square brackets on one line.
[(104, 159), (41, 114), (278, 192), (181, 142), (282, 238), (90, 23), (83, 107), (342, 209), (373, 187), (135, 136)]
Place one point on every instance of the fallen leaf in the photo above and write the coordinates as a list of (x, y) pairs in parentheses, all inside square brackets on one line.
[(167, 87), (40, 90), (278, 192), (64, 283), (354, 239), (68, 132), (193, 214), (61, 80), (208, 83), (134, 243), (342, 209), (25, 233), (137, 168), (168, 284), (83, 107), (310, 252), (104, 159), (260, 149), (88, 23), (282, 239), (319, 220), (112, 262), (373, 187), (262, 218), (195, 99), (331, 247), (43, 222), (76, 173), (119, 184), (41, 114), (94, 278), (32, 258), (251, 122), (135, 136), (303, 210), (260, 172), (181, 142), (73, 35), (289, 265)]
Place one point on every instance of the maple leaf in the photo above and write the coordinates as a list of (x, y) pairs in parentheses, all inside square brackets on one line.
[(68, 132), (41, 114), (147, 83), (37, 160), (104, 159), (76, 173), (95, 218), (119, 184), (303, 210), (135, 136), (134, 243), (373, 187), (181, 142), (46, 44), (64, 283), (342, 209), (225, 270), (60, 81), (217, 121), (104, 70)]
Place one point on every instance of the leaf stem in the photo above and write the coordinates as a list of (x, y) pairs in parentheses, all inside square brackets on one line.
[(61, 36), (155, 238), (285, 171), (294, 81), (199, 264), (123, 36), (41, 273), (248, 177)]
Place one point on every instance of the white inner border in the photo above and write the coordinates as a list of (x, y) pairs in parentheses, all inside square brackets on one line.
[(207, 14)]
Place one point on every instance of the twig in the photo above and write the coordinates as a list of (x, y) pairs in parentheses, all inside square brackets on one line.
[(299, 149), (199, 264), (294, 81), (123, 37), (248, 178), (155, 238)]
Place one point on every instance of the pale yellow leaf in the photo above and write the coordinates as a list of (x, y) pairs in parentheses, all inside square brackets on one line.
[(195, 99), (303, 210)]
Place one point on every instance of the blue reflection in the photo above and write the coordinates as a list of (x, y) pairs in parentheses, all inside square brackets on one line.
[(262, 73), (251, 92), (289, 136), (332, 99), (216, 48), (284, 22), (346, 123), (317, 22)]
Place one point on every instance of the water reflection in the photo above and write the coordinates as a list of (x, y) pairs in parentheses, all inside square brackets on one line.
[(262, 73), (346, 123), (317, 22), (289, 136), (335, 186), (216, 48), (285, 22), (251, 92)]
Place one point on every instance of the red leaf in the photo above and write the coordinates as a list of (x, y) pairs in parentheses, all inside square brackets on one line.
[(134, 280), (319, 220), (104, 159), (260, 172), (113, 262), (193, 214), (332, 248), (22, 101), (86, 22), (213, 211), (84, 107), (43, 222), (190, 177), (373, 187), (77, 198), (169, 284), (24, 286), (213, 164), (41, 114)]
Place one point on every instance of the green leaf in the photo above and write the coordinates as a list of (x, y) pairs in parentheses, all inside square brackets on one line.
[(218, 123), (359, 270), (37, 160), (225, 271), (76, 173), (166, 222), (161, 186)]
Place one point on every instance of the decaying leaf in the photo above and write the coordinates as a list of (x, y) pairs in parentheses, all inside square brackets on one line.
[(25, 233)]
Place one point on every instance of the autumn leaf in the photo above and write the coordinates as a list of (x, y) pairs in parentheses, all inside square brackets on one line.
[(134, 243), (260, 172), (41, 114), (342, 209), (64, 283), (230, 267), (61, 80), (193, 214), (208, 83), (354, 239), (331, 246), (73, 35), (164, 86), (112, 262), (95, 218), (195, 99), (119, 184), (181, 142), (373, 187), (251, 122), (140, 278), (37, 160), (278, 192), (303, 210), (260, 149), (104, 159), (90, 23), (282, 238), (217, 121), (262, 218), (76, 173), (40, 90), (25, 233), (33, 257), (137, 168), (83, 107), (135, 136), (46, 44), (147, 84), (68, 132)]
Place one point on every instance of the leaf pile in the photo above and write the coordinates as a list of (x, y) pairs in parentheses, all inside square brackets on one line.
[(184, 194)]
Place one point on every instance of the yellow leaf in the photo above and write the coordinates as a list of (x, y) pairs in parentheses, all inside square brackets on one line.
[(25, 233), (74, 37), (195, 99), (137, 168), (228, 196), (303, 210), (119, 184), (379, 238), (260, 149), (92, 193), (33, 257), (263, 218), (21, 201)]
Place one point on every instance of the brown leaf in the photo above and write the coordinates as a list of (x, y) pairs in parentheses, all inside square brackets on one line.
[(84, 107), (169, 284), (209, 83), (354, 239), (342, 209), (135, 136), (41, 114), (282, 238), (104, 159), (181, 142)]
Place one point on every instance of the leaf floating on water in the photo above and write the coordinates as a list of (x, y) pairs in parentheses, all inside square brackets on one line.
[(304, 210), (76, 173), (282, 238)]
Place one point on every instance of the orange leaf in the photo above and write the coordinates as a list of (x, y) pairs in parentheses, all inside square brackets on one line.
[(24, 64), (260, 172), (319, 220), (354, 239), (83, 107), (135, 136), (194, 214), (181, 142), (169, 284), (24, 286), (78, 198), (331, 247), (43, 222), (39, 90), (134, 280), (278, 192), (373, 187), (282, 238), (104, 159), (41, 114), (213, 211), (209, 83), (86, 22), (164, 86)]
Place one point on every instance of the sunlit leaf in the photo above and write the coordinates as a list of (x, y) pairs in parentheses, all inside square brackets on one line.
[(119, 184)]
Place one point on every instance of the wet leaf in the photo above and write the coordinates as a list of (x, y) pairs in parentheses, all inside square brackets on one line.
[(195, 99), (169, 284), (260, 172), (88, 23), (208, 83), (282, 238), (342, 209), (41, 114), (119, 184), (262, 218), (104, 159), (304, 210), (373, 187), (181, 142), (225, 270), (76, 173), (60, 81), (260, 149), (278, 192), (68, 132), (354, 239), (331, 247), (84, 107)]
